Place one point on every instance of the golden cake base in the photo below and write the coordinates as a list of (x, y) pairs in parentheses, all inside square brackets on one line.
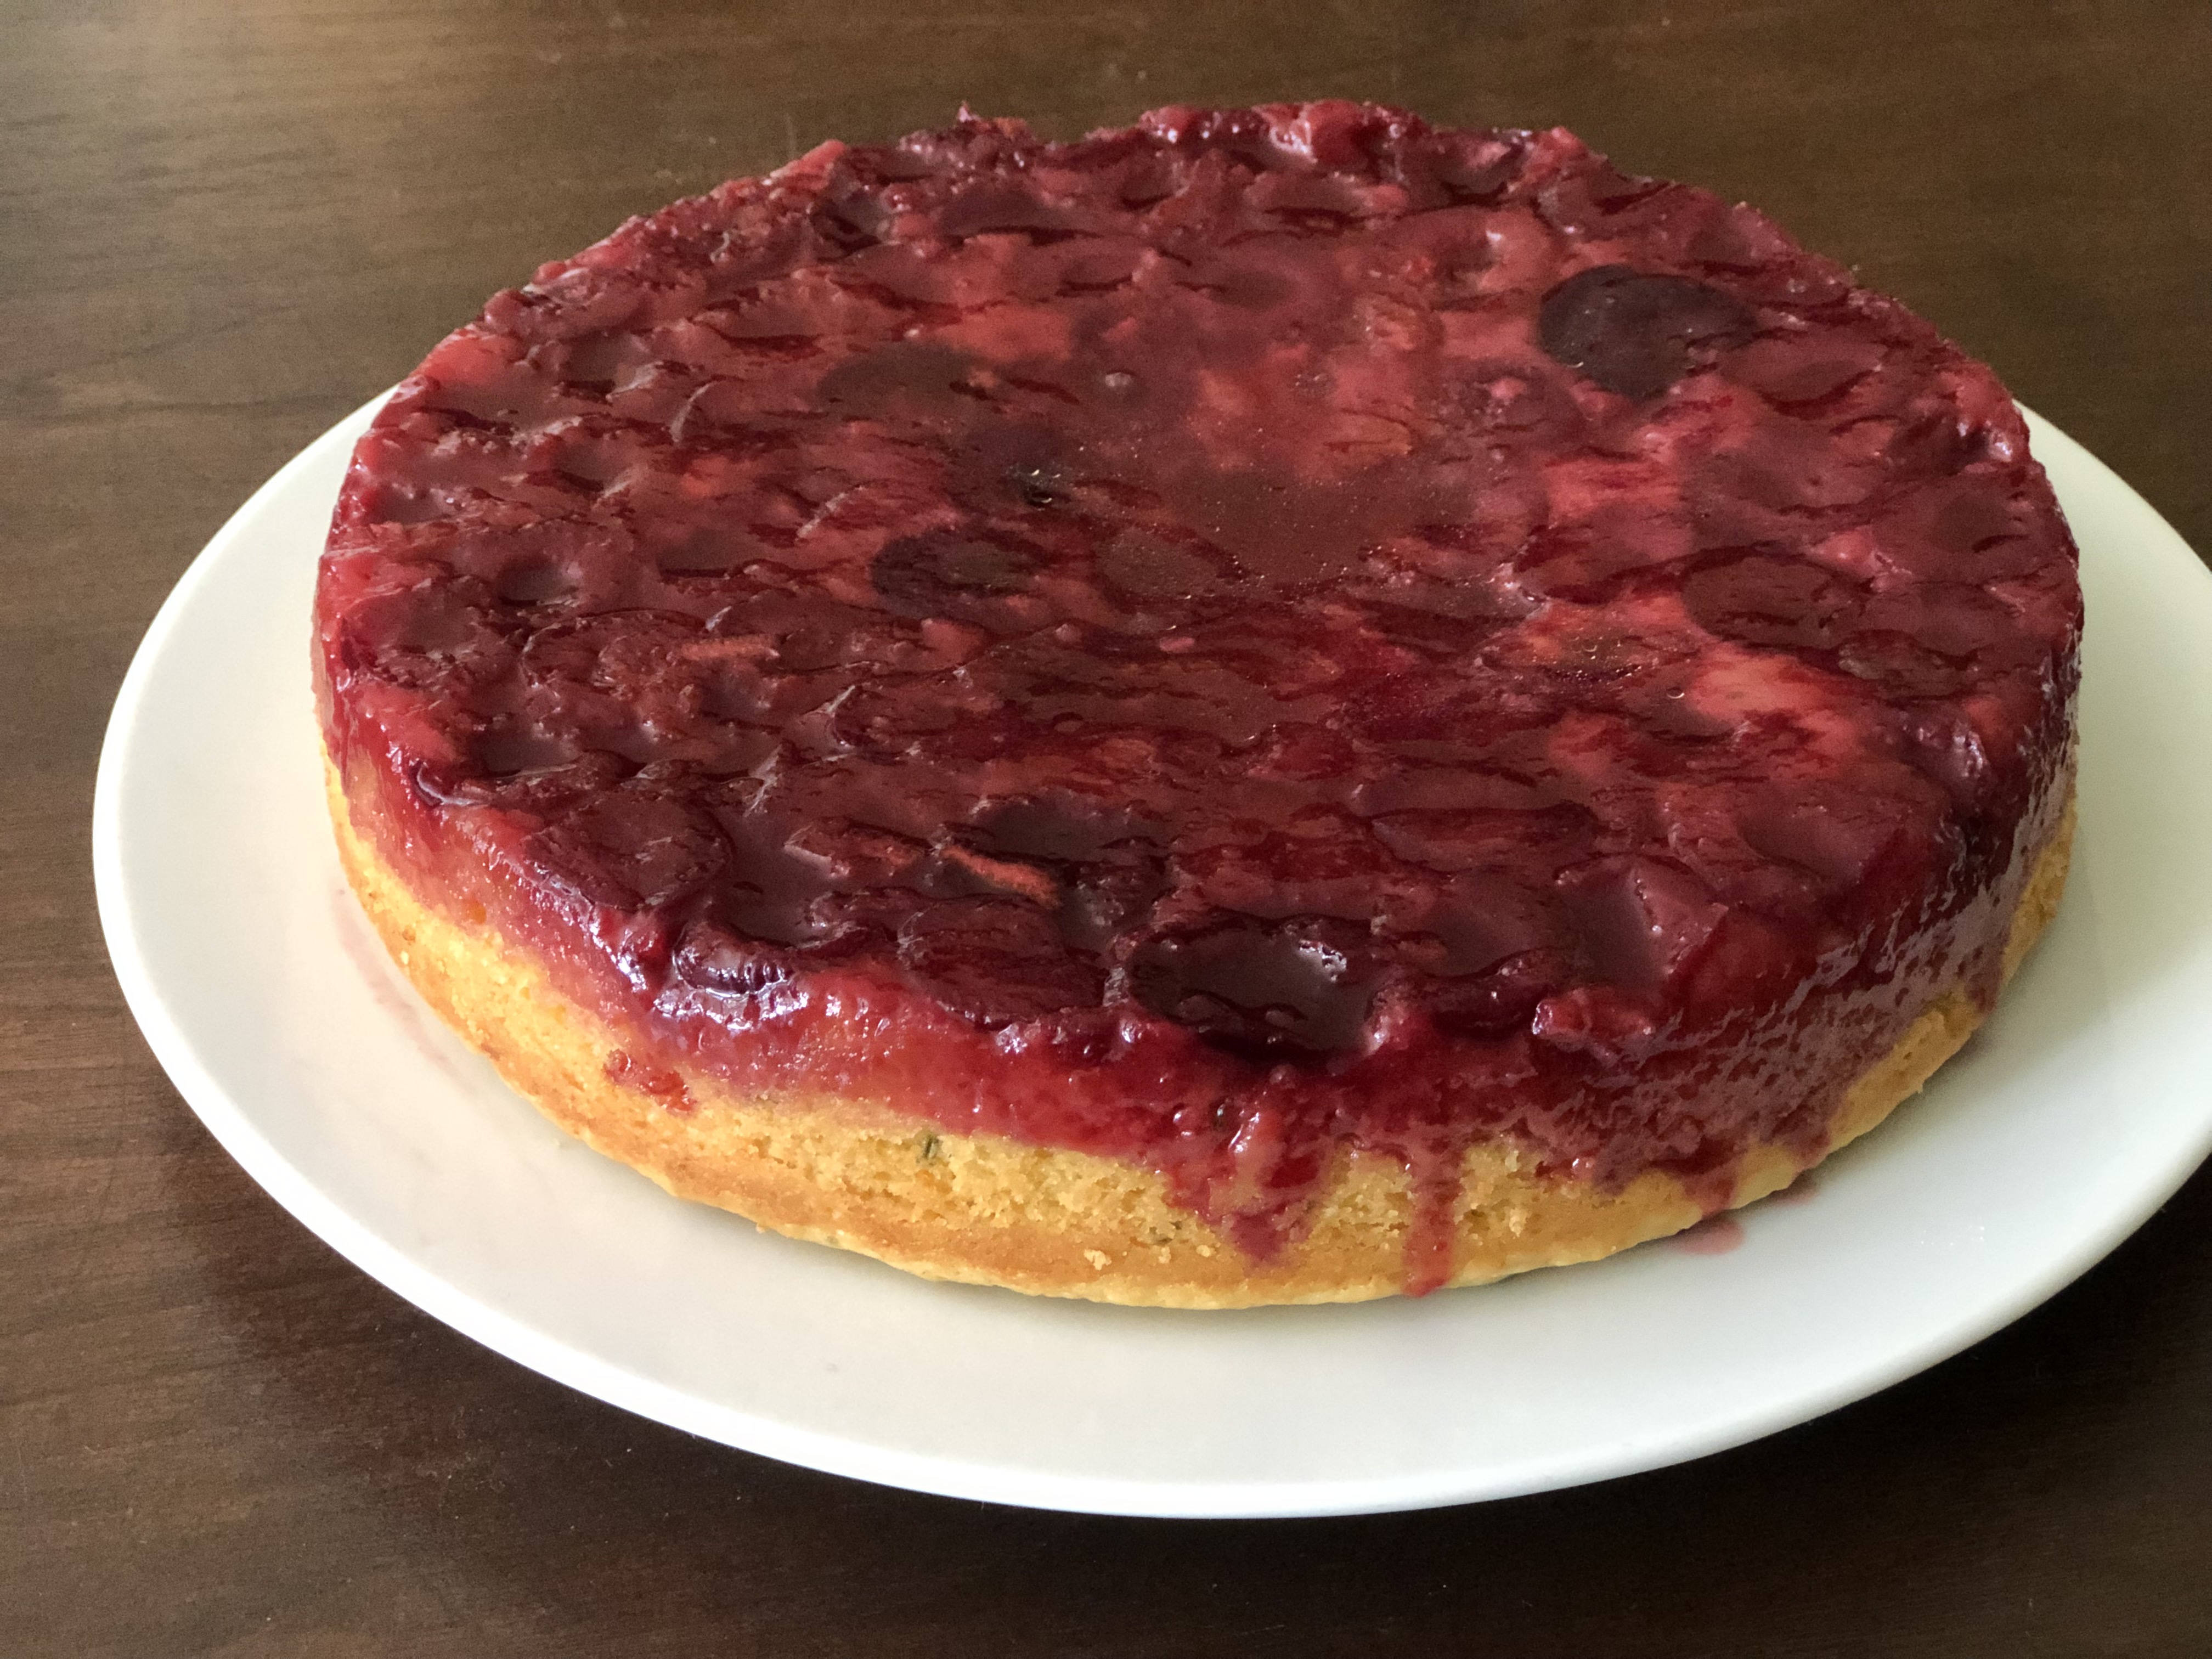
[(987, 1210)]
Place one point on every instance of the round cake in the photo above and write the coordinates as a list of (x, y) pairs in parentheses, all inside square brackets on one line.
[(1280, 705)]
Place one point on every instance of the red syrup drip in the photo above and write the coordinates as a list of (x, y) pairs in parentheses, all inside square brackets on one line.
[(1717, 1234), (1263, 635), (1803, 1190), (1432, 1244), (664, 1085)]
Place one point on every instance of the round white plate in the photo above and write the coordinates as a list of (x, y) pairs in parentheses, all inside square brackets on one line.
[(2086, 1101)]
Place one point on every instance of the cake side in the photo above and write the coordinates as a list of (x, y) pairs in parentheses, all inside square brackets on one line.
[(984, 1209)]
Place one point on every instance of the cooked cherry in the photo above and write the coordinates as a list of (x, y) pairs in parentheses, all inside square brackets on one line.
[(946, 574), (1634, 332)]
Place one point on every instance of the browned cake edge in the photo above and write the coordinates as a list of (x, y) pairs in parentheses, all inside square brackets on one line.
[(988, 1210)]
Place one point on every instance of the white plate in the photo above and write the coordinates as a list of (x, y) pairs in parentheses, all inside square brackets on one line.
[(2086, 1102)]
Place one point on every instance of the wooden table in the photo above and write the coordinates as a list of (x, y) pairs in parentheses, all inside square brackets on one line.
[(222, 225)]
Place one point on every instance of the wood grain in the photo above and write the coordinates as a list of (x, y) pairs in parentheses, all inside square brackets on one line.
[(223, 225)]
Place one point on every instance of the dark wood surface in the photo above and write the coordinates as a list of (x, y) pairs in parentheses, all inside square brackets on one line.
[(222, 225)]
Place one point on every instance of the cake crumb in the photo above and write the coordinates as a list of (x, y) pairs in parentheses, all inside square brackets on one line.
[(1097, 1259)]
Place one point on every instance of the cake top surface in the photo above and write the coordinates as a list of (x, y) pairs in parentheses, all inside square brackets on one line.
[(1294, 575)]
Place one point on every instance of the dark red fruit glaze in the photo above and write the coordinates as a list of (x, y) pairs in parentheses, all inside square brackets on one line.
[(1268, 632)]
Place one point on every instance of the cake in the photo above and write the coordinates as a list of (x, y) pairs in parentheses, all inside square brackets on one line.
[(1280, 705)]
